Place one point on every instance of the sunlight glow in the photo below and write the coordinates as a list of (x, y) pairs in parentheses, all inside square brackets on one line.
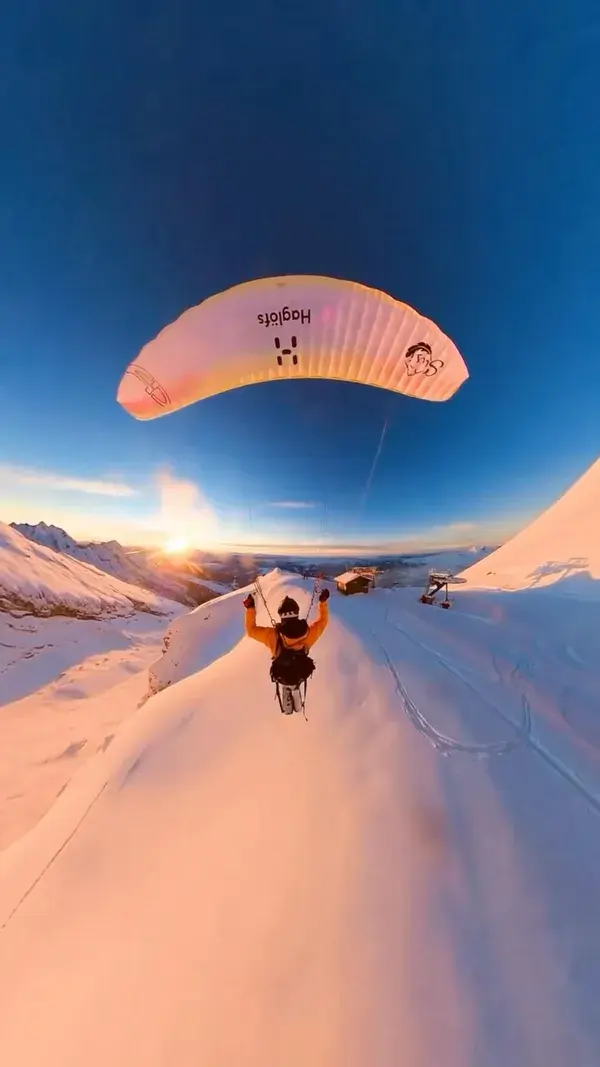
[(175, 546)]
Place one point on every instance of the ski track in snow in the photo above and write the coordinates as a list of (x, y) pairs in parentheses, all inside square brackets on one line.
[(557, 765), (444, 744), (36, 881), (65, 707), (447, 745)]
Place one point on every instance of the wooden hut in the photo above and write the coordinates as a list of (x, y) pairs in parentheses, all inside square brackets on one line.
[(350, 582)]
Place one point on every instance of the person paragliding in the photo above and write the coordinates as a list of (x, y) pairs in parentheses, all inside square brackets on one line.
[(289, 642), (291, 327)]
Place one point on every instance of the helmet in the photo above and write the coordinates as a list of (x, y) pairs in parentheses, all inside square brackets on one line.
[(288, 609)]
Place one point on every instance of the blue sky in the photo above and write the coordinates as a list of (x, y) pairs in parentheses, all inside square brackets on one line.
[(448, 154)]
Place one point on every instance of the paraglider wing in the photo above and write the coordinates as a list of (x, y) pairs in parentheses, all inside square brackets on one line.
[(296, 326)]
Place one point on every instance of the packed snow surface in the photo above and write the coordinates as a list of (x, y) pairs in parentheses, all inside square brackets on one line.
[(410, 877), (66, 685), (560, 548)]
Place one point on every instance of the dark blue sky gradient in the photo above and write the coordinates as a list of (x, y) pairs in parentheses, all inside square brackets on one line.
[(446, 153)]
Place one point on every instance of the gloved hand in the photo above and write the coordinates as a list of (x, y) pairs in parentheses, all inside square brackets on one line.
[(324, 595), (249, 601)]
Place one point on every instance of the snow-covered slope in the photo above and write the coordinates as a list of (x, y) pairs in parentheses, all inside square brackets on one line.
[(40, 581), (111, 557), (215, 587), (225, 885), (66, 685), (196, 639), (192, 643), (48, 535), (561, 548)]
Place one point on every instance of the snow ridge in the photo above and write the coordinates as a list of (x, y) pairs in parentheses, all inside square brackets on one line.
[(38, 581), (559, 549)]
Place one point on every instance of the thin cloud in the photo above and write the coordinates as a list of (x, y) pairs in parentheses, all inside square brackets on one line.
[(293, 504), (435, 535), (459, 526), (63, 483)]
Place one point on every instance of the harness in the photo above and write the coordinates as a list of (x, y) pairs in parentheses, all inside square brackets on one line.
[(291, 668), (281, 650)]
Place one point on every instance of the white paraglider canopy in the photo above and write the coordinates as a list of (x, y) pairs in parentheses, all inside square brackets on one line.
[(296, 326)]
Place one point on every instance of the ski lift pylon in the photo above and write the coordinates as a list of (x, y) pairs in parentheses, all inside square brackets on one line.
[(436, 581)]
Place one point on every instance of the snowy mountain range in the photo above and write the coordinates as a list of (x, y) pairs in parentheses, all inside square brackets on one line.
[(214, 577), (110, 557), (40, 581)]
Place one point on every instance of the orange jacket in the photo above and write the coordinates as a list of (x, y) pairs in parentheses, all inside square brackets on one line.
[(267, 635)]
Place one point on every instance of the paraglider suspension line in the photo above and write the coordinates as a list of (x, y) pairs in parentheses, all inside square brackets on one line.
[(258, 588), (316, 589)]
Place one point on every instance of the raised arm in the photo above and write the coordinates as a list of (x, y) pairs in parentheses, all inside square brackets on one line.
[(317, 627), (264, 634)]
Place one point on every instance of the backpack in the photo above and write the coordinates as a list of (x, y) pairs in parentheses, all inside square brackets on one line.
[(291, 666)]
